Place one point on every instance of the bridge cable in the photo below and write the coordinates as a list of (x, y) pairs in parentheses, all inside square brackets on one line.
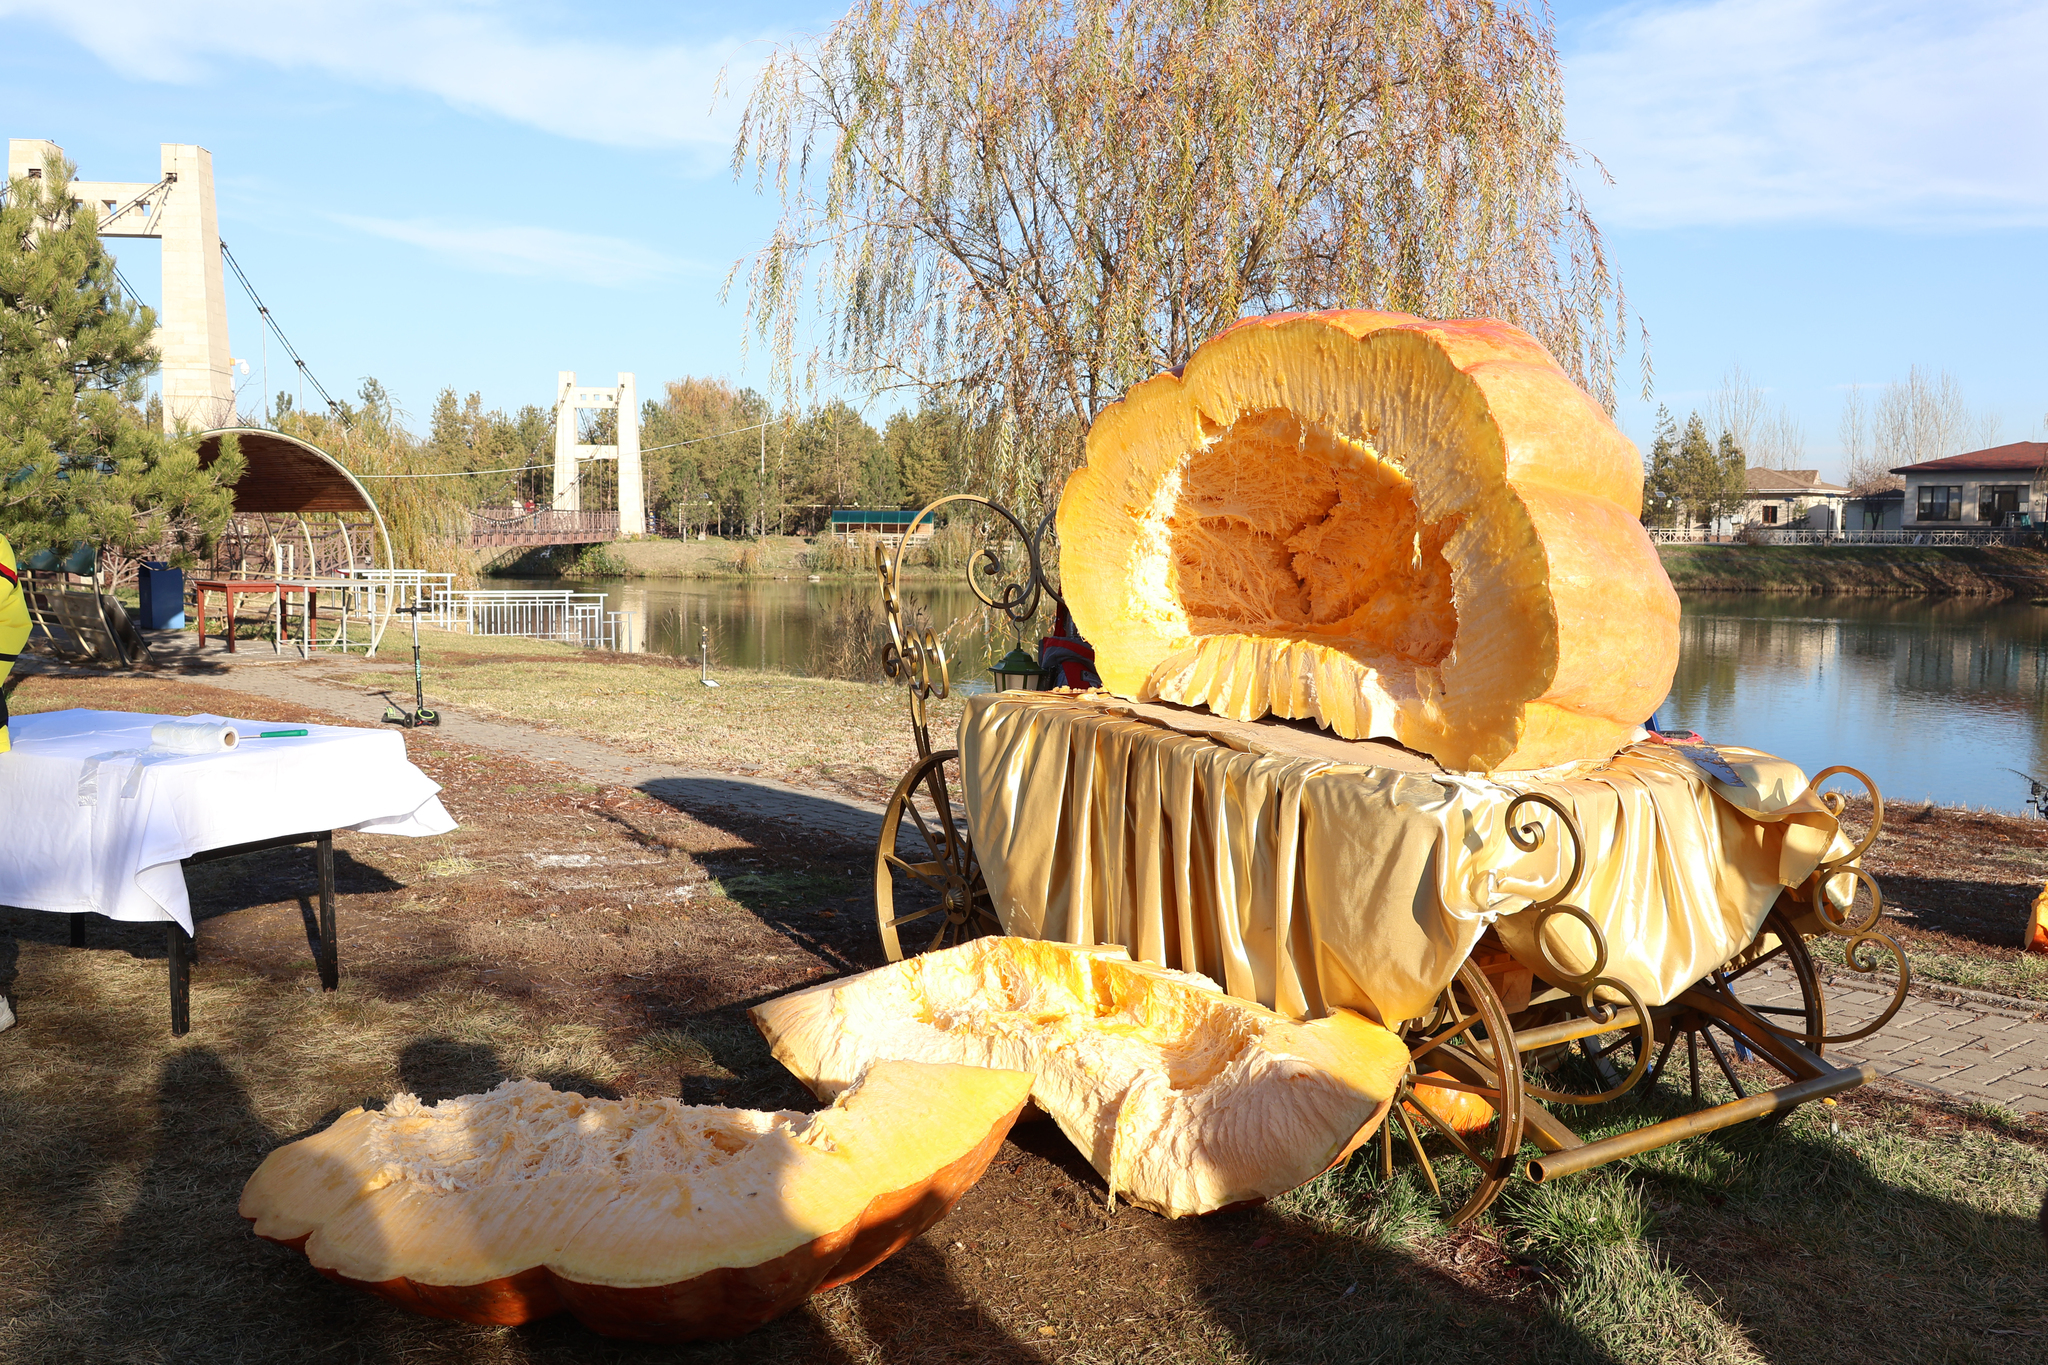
[(282, 339)]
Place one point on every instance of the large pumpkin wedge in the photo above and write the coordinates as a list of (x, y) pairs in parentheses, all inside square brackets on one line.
[(1184, 1099), (1400, 529), (645, 1218)]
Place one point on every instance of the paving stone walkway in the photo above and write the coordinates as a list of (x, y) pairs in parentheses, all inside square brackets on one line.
[(1969, 1045)]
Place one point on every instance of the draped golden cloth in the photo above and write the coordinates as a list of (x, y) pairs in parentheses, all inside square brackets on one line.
[(1308, 872)]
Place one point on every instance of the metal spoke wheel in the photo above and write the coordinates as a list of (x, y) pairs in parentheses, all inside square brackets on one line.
[(1469, 1040), (933, 897), (1794, 1009)]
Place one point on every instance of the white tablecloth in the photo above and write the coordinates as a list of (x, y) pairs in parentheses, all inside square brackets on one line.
[(95, 819)]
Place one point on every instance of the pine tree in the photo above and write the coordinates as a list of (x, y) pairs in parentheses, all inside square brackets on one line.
[(1698, 472), (1731, 476), (1663, 498), (79, 463)]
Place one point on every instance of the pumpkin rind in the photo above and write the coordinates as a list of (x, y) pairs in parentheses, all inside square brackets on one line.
[(646, 1219), (1400, 529), (1186, 1100)]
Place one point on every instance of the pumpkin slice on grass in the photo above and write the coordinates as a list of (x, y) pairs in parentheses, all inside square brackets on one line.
[(1186, 1100), (645, 1218), (1400, 529)]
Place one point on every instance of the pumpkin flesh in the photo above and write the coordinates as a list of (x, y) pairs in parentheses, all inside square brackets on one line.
[(645, 1218), (1186, 1100), (1396, 528)]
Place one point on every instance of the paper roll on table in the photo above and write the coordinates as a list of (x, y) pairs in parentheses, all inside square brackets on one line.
[(192, 737)]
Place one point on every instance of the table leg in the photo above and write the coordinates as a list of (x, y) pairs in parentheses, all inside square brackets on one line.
[(180, 944), (199, 600), (78, 930), (229, 594), (330, 965)]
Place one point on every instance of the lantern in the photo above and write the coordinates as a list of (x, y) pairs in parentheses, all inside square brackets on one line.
[(1018, 672)]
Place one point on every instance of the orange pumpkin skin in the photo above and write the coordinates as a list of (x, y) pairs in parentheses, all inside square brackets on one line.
[(725, 1301), (1397, 528), (1465, 1112)]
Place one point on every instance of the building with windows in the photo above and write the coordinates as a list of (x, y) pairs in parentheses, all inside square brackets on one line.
[(1981, 488), (1792, 499), (890, 522)]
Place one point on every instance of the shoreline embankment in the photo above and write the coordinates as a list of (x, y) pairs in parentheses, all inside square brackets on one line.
[(1990, 572), (1994, 572)]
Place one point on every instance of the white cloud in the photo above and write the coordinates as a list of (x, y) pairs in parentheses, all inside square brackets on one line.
[(511, 249), (1894, 113), (597, 79)]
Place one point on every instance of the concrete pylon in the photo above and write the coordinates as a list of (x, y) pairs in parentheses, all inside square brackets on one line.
[(570, 398), (192, 321)]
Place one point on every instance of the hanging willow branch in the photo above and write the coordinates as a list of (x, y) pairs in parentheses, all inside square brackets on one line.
[(1025, 206)]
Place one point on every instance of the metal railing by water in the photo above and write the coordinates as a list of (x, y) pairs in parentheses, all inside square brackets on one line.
[(1665, 535), (577, 618)]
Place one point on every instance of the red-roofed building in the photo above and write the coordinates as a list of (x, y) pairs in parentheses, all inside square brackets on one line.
[(1981, 488)]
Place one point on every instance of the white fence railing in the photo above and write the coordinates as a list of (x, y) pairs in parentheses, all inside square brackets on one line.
[(577, 618), (1761, 536), (389, 590)]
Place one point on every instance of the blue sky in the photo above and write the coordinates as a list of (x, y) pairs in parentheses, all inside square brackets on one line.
[(480, 194)]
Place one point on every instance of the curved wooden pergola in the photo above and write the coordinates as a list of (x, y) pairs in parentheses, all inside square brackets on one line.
[(290, 477)]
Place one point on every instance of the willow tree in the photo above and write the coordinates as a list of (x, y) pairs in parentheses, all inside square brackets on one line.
[(1021, 207)]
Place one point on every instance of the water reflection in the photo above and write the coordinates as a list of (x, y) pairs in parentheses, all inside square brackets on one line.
[(1934, 699), (787, 625)]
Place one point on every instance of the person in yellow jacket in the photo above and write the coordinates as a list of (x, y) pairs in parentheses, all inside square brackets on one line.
[(14, 628)]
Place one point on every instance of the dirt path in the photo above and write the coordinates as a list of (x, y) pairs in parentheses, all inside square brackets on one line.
[(694, 790)]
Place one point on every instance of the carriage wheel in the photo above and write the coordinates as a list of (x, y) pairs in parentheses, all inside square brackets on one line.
[(1801, 1019), (934, 898), (1462, 1038)]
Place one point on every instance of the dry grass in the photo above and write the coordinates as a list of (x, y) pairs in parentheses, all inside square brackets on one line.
[(1907, 1231), (850, 736), (1884, 1229)]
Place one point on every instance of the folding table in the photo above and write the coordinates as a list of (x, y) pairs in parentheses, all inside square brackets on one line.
[(102, 820)]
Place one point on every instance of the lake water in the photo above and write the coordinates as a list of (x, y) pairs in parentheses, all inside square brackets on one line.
[(1934, 699), (781, 624)]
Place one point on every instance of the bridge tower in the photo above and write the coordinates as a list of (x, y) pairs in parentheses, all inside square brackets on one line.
[(570, 398), (192, 324)]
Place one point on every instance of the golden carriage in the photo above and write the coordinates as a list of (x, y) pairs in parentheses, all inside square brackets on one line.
[(1512, 1004)]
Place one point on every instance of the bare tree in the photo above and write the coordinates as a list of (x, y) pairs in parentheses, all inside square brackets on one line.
[(1737, 408), (1921, 417), (1021, 207), (1990, 429), (1780, 441), (1864, 468)]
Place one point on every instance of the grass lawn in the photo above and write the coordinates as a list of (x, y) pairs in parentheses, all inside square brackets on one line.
[(849, 737), (601, 940), (1995, 571)]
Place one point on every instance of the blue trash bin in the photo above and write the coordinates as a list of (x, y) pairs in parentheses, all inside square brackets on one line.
[(163, 596)]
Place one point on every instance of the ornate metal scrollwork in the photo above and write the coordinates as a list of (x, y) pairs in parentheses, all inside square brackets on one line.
[(1589, 984), (916, 656), (1866, 946)]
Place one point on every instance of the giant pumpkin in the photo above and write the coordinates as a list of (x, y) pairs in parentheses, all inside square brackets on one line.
[(1184, 1099), (645, 1218), (1400, 529)]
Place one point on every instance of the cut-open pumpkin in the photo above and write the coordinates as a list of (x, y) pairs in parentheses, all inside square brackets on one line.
[(1186, 1100), (1400, 529), (645, 1218)]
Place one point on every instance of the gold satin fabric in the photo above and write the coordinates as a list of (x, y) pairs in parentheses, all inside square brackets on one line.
[(1249, 852)]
